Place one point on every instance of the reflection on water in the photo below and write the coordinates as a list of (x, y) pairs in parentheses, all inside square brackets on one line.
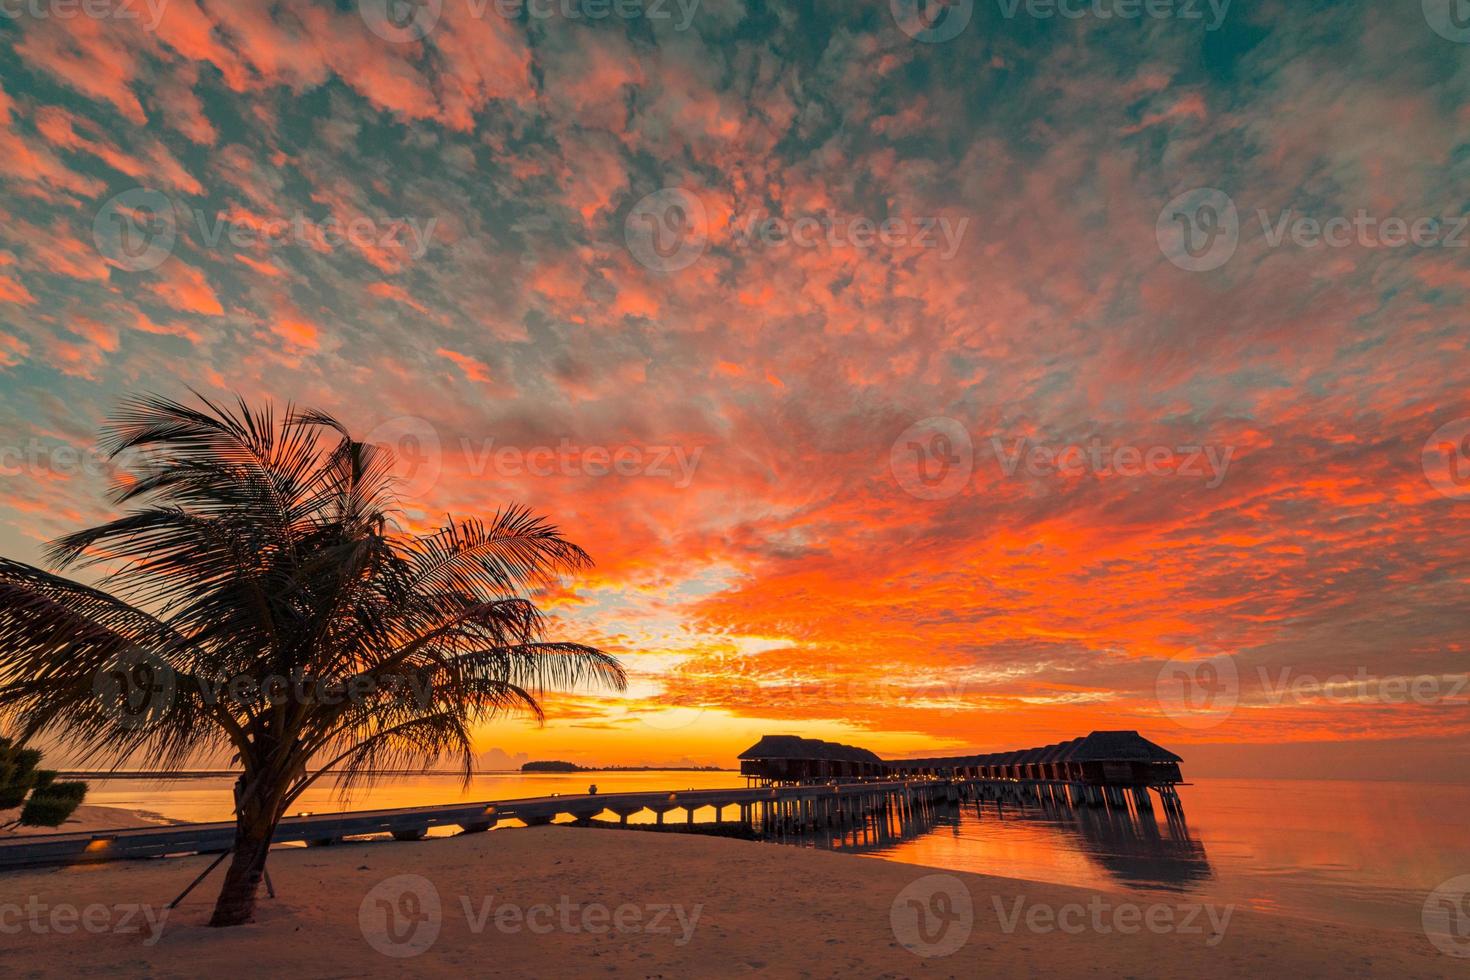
[(1357, 852), (1135, 851), (1363, 853)]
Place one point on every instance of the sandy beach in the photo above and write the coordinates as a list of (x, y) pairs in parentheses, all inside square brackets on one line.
[(90, 819), (560, 901)]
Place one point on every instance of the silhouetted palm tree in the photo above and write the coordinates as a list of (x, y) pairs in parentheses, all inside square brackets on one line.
[(267, 604)]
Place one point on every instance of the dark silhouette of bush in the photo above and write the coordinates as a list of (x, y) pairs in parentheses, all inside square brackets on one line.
[(43, 802)]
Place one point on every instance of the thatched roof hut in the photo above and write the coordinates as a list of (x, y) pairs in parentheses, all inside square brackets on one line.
[(1110, 757), (790, 758)]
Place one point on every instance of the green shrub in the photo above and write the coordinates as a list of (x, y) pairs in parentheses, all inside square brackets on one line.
[(47, 811), (66, 791), (43, 802)]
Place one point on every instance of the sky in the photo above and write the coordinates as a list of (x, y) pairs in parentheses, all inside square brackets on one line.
[(930, 378)]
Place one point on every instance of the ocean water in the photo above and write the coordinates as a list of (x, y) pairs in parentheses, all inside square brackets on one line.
[(1351, 852)]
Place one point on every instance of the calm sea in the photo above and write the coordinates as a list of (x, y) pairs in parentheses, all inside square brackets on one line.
[(1364, 853)]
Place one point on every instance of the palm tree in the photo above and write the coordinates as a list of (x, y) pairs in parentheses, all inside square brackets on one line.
[(267, 603)]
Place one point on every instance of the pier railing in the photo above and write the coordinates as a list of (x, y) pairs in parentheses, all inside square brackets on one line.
[(773, 810), (762, 808)]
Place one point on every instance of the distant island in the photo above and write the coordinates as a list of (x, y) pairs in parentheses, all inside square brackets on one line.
[(557, 766)]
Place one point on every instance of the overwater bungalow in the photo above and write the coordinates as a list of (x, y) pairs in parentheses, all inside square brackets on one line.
[(1095, 767), (790, 759)]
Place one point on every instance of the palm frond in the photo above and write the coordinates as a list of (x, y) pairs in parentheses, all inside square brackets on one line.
[(260, 546)]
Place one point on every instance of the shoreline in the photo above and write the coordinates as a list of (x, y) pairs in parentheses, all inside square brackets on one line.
[(92, 819), (779, 909)]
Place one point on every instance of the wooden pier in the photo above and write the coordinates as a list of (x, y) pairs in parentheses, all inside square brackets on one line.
[(774, 811), (799, 786)]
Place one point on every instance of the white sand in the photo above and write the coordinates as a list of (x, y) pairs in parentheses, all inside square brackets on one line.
[(733, 908)]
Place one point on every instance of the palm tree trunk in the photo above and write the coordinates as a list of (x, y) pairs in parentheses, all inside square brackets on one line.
[(236, 902)]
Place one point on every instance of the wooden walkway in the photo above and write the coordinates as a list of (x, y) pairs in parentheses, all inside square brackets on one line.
[(765, 808)]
